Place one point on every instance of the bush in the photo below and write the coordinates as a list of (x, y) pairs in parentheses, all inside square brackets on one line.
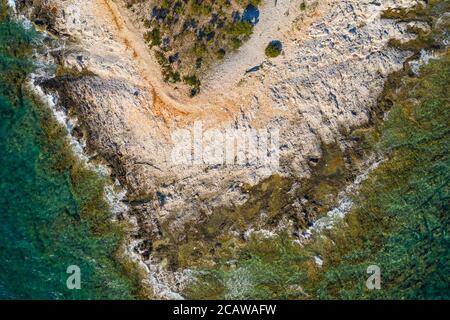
[(241, 28), (153, 37), (236, 43), (274, 49)]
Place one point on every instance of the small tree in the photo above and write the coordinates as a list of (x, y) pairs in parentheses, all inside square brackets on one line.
[(274, 49)]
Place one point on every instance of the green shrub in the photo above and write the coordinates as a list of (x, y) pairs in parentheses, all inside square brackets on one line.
[(236, 43), (191, 80)]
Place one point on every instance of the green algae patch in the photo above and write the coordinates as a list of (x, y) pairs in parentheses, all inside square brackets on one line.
[(64, 71), (264, 269)]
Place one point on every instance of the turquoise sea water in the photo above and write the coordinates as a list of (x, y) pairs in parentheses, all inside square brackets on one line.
[(52, 210)]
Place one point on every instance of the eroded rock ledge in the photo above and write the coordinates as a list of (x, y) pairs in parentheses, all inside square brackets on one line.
[(335, 62)]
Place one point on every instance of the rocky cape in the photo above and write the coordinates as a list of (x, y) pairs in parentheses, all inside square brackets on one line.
[(336, 59)]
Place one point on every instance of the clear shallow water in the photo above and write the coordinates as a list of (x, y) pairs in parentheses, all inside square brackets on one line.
[(52, 209)]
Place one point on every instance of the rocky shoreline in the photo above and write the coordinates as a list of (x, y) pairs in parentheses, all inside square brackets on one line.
[(324, 87)]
